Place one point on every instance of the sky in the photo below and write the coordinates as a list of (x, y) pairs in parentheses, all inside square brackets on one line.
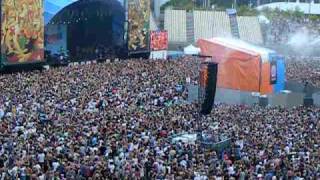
[(63, 3), (50, 11)]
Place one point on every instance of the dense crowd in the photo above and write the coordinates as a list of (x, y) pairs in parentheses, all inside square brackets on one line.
[(281, 29), (115, 120), (304, 70)]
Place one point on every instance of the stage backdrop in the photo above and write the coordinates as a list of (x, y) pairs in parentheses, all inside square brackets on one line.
[(158, 40), (22, 29), (138, 19)]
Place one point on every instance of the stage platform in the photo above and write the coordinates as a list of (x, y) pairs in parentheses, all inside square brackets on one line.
[(295, 95)]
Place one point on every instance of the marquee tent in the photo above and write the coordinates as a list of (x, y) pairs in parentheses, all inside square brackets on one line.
[(245, 67), (191, 50)]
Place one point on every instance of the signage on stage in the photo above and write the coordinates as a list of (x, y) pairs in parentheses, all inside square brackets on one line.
[(22, 31), (158, 40), (273, 72), (138, 25)]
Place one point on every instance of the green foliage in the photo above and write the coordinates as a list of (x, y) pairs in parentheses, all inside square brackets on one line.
[(246, 11), (314, 18), (297, 13), (191, 4), (180, 4), (221, 4)]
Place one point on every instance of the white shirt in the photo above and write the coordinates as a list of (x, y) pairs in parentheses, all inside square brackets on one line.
[(41, 157), (55, 165), (231, 170), (155, 102), (287, 149), (188, 80), (183, 163), (111, 167), (42, 177)]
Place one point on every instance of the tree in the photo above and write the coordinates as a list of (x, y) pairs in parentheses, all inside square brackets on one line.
[(275, 13), (222, 3), (298, 13), (180, 4), (197, 4), (246, 11)]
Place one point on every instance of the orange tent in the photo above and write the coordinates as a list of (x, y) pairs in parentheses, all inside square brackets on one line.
[(242, 66)]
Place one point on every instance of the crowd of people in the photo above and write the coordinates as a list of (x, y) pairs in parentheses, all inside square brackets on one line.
[(114, 121), (281, 28), (304, 70)]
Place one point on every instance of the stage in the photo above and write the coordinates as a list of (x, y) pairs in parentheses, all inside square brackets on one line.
[(294, 95)]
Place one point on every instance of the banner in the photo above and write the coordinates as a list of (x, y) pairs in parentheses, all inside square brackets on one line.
[(158, 40), (56, 38), (233, 22), (138, 25), (22, 31), (273, 72)]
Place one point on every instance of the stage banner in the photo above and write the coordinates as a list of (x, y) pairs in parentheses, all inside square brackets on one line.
[(273, 72), (158, 40), (138, 25), (55, 38), (22, 31)]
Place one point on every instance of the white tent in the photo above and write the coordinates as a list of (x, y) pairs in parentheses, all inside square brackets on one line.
[(191, 50)]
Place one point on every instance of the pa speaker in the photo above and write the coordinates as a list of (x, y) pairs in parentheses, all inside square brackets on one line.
[(263, 101), (307, 101), (208, 82)]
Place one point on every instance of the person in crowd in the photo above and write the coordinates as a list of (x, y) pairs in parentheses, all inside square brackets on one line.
[(305, 70)]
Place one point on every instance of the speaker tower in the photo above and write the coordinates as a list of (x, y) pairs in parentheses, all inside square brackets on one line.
[(208, 82)]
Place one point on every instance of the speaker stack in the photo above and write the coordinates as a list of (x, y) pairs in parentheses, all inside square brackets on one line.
[(263, 101), (208, 82), (308, 101)]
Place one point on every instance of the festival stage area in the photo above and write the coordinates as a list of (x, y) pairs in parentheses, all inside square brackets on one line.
[(291, 97)]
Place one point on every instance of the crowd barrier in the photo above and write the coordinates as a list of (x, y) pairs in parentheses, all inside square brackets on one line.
[(287, 99)]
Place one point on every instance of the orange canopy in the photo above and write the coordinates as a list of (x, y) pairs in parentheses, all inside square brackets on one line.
[(240, 68)]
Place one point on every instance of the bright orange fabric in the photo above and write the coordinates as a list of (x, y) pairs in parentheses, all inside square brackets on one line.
[(222, 53), (237, 69), (239, 75)]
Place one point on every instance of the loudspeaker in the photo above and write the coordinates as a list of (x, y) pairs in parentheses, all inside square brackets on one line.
[(263, 101), (208, 82), (307, 101)]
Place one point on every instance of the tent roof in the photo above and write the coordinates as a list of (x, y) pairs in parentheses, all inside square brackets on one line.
[(190, 47), (191, 50), (243, 46)]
